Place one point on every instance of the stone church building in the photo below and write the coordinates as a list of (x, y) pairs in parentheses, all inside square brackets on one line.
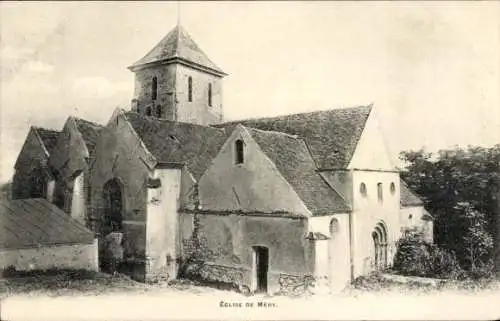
[(267, 204)]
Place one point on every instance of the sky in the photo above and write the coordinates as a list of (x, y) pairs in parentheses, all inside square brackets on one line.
[(431, 69)]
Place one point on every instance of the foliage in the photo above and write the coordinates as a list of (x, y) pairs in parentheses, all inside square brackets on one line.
[(461, 188), (415, 257), (412, 255), (5, 191)]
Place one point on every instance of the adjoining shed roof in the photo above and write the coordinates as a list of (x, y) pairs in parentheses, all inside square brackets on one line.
[(30, 223), (48, 137), (178, 44), (408, 197), (331, 135), (295, 164), (89, 131), (173, 142)]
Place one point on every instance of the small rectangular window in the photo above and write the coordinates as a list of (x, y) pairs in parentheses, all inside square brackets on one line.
[(239, 152), (190, 89), (210, 95)]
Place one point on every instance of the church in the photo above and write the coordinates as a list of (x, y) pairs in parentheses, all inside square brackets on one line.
[(273, 205)]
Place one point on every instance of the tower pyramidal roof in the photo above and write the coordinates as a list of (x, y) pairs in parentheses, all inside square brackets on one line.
[(178, 46)]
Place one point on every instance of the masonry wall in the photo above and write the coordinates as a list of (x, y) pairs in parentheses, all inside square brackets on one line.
[(368, 211), (76, 256), (172, 94), (162, 237), (255, 185), (70, 159), (198, 111), (31, 161), (413, 217), (226, 247), (120, 155), (165, 75), (332, 255)]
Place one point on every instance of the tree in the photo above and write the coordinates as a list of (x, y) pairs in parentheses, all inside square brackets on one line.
[(461, 188), (477, 241)]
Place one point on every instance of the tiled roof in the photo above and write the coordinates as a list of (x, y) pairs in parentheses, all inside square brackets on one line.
[(31, 223), (48, 136), (89, 131), (295, 164), (178, 44), (331, 135), (408, 198), (192, 145)]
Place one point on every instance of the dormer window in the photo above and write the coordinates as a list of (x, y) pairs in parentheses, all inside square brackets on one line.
[(154, 88), (190, 89), (239, 152), (210, 95)]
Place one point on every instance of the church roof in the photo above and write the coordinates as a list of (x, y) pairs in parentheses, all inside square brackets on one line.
[(48, 137), (408, 198), (178, 44), (30, 223), (174, 142), (294, 162), (330, 135), (90, 132)]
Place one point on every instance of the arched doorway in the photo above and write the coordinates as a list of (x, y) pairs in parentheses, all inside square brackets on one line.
[(112, 195), (379, 237), (111, 243)]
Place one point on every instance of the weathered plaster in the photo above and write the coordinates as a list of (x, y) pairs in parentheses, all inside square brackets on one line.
[(76, 256), (254, 186)]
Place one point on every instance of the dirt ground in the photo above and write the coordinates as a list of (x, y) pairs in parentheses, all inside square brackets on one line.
[(104, 297)]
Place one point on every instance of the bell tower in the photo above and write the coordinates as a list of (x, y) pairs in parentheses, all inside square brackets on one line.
[(177, 81)]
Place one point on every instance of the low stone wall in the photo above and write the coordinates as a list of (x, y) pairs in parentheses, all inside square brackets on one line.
[(76, 256), (236, 277), (295, 284)]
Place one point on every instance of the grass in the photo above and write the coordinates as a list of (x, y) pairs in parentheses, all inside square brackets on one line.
[(80, 282)]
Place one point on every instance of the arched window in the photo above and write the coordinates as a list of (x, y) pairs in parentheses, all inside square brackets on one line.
[(362, 189), (158, 111), (154, 88), (210, 95), (148, 111), (190, 89), (380, 192), (393, 188), (334, 226), (239, 152)]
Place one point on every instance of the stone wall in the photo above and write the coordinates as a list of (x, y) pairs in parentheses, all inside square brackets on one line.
[(296, 284), (77, 256)]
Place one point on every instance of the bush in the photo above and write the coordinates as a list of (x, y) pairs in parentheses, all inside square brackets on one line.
[(415, 257), (412, 256), (444, 264)]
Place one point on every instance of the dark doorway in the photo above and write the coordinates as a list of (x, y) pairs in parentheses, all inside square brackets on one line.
[(37, 184), (261, 267), (113, 210)]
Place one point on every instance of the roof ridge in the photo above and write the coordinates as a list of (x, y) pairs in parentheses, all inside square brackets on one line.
[(300, 113), (86, 121), (154, 119), (296, 137), (45, 128)]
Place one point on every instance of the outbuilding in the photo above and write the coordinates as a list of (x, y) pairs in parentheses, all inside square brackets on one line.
[(37, 235)]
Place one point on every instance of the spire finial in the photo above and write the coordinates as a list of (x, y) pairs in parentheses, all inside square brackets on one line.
[(178, 12)]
